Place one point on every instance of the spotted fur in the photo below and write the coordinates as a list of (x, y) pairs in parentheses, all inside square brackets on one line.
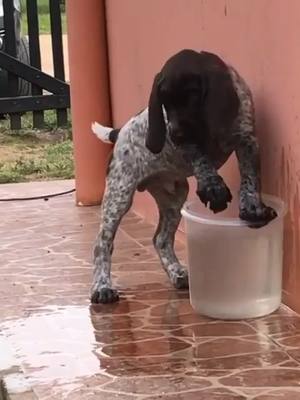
[(164, 175)]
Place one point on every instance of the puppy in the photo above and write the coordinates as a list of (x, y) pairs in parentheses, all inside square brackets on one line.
[(200, 111)]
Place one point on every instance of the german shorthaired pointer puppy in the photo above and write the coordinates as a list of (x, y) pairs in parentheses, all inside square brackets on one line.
[(200, 111)]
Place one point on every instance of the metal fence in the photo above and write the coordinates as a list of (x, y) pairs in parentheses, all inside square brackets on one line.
[(45, 92)]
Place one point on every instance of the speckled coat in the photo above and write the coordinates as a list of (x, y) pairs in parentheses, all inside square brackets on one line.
[(164, 175)]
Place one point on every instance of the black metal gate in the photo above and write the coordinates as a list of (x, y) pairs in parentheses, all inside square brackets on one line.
[(47, 92)]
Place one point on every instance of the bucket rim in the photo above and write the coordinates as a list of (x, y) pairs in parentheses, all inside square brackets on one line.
[(276, 202)]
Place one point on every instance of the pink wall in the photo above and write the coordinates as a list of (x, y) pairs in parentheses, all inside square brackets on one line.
[(261, 39)]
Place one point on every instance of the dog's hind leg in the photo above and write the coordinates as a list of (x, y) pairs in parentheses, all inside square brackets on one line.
[(170, 197), (117, 200)]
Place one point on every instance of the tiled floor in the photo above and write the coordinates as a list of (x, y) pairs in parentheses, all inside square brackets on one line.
[(149, 346)]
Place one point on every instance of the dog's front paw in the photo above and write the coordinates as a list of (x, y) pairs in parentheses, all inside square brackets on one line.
[(104, 295), (256, 214), (216, 193)]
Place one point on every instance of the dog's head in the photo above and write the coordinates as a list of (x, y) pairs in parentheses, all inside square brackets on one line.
[(197, 93)]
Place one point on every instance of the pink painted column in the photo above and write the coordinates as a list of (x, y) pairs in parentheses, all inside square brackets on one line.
[(89, 95)]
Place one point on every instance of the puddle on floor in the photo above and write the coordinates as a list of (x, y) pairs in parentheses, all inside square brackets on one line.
[(56, 345)]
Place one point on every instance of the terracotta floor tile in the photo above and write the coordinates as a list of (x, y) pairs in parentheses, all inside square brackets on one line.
[(290, 363), (288, 340), (277, 324), (227, 347), (155, 347), (214, 329), (277, 377), (180, 308), (125, 280), (120, 308), (173, 318), (241, 362), (151, 345), (295, 354), (280, 395), (209, 394), (157, 385), (104, 323), (89, 394), (124, 336), (145, 366), (159, 295), (138, 266)]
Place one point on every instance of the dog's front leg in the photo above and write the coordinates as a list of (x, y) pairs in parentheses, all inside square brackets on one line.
[(211, 187), (252, 209)]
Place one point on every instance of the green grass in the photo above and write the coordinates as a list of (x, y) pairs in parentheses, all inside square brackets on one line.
[(44, 24), (44, 17), (30, 154), (39, 162)]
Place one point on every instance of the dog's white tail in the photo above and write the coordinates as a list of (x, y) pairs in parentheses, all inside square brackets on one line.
[(102, 132)]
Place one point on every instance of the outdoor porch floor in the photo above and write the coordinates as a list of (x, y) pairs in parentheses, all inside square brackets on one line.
[(151, 345)]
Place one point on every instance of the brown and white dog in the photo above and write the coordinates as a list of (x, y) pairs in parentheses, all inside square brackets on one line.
[(200, 111)]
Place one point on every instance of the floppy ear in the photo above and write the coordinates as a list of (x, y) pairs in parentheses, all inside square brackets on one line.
[(156, 135)]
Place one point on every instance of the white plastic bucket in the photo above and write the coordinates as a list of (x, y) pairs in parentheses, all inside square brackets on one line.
[(235, 272)]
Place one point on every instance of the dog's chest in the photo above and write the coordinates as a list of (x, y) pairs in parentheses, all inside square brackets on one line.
[(178, 160), (218, 152)]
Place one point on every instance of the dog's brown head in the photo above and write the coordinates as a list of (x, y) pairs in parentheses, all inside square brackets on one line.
[(197, 93)]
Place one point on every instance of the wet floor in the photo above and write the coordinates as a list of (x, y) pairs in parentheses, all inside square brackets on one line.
[(151, 345)]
